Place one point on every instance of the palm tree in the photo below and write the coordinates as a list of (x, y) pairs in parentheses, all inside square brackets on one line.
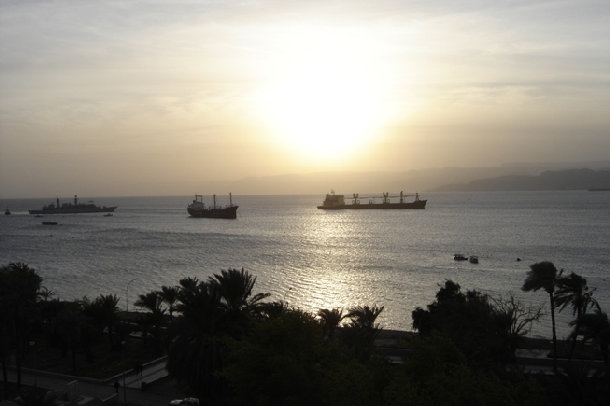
[(169, 294), (102, 312), (543, 275), (195, 358), (235, 288), (19, 289), (573, 291), (364, 316), (199, 305), (188, 284), (594, 326), (209, 313), (362, 330), (45, 294), (151, 301), (195, 354), (330, 320), (109, 305), (69, 322)]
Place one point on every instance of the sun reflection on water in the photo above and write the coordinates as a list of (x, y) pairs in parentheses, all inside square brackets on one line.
[(334, 242)]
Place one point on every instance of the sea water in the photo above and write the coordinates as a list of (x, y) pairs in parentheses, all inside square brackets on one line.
[(316, 259)]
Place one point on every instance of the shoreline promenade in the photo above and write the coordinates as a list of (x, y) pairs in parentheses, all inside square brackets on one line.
[(150, 387)]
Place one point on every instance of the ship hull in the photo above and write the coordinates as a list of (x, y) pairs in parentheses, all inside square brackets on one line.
[(416, 205), (224, 213), (73, 210)]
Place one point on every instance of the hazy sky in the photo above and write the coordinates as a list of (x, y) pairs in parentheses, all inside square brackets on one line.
[(158, 97)]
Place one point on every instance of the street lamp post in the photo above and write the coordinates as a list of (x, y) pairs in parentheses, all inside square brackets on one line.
[(128, 293)]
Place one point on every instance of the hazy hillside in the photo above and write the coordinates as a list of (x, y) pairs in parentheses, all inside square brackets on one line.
[(572, 179), (365, 182), (507, 177)]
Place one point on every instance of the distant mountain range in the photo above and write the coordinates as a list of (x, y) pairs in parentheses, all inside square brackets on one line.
[(570, 179), (513, 177)]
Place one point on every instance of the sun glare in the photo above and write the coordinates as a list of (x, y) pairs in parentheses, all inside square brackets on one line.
[(323, 95)]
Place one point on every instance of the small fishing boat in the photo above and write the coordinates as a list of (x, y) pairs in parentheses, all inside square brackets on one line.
[(7, 212), (473, 259), (49, 223), (459, 257)]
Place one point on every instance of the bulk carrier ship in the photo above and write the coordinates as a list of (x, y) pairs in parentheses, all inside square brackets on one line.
[(337, 202)]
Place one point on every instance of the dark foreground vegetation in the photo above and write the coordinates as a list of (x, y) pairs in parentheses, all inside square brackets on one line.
[(229, 346)]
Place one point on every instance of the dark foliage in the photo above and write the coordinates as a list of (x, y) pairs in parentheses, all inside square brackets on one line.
[(209, 314), (543, 275), (230, 348), (480, 331), (437, 373), (287, 360), (19, 287)]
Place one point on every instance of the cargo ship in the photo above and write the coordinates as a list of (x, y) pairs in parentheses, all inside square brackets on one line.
[(72, 208), (337, 202), (198, 209)]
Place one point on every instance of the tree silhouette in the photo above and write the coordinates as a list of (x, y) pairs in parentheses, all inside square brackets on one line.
[(360, 333), (45, 294), (364, 316), (235, 290), (109, 306), (69, 322), (210, 313), (103, 313), (477, 325), (196, 353), (271, 310), (199, 306), (597, 327), (281, 362), (573, 291), (169, 295), (151, 301), (543, 275), (519, 318), (330, 319), (19, 288)]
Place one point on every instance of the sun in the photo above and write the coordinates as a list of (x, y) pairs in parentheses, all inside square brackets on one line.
[(323, 97)]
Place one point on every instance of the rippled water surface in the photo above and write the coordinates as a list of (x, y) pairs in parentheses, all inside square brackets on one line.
[(316, 259)]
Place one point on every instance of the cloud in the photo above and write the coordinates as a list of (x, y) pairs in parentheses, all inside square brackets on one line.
[(145, 76)]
